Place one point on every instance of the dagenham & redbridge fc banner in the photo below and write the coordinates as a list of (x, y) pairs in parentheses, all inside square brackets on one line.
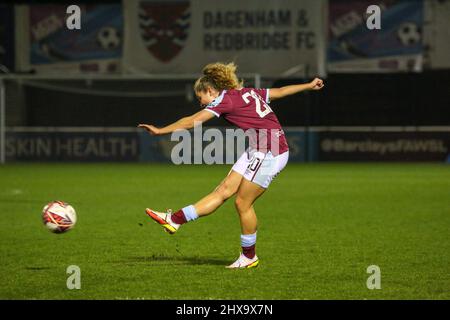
[(272, 38)]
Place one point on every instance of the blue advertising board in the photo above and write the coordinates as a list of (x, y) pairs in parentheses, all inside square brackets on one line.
[(72, 146), (396, 46), (100, 36)]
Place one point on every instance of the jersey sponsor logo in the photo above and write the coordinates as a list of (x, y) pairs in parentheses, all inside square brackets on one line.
[(164, 27)]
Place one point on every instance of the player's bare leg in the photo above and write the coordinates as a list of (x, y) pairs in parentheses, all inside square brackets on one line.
[(247, 194), (205, 206), (226, 189)]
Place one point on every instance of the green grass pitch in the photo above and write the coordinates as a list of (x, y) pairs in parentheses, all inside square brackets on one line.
[(320, 227)]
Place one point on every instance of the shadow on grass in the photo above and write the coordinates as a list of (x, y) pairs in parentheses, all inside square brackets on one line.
[(20, 201), (37, 268), (158, 260)]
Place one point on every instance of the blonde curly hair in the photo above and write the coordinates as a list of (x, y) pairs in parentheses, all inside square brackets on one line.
[(219, 76)]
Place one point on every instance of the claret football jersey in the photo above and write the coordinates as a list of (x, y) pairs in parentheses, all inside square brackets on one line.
[(249, 109)]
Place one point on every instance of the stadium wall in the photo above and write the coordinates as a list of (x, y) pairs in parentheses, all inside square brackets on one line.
[(396, 144)]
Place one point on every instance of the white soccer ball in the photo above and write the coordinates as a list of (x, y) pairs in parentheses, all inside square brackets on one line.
[(109, 38), (59, 216), (409, 34)]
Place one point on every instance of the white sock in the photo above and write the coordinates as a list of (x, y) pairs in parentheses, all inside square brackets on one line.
[(190, 213), (248, 240)]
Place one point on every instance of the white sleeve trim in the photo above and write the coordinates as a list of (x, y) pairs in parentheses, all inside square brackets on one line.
[(268, 95), (212, 111)]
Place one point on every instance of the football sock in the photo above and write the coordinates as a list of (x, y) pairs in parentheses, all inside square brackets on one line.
[(248, 244), (185, 215)]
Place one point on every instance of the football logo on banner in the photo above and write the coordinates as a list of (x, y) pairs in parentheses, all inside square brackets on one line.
[(164, 27)]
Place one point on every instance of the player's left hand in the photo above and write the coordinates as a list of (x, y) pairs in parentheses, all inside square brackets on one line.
[(151, 129), (317, 84)]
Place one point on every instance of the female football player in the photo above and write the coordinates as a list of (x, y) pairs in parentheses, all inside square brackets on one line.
[(220, 93)]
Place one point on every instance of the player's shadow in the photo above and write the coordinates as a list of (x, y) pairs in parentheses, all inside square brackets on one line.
[(189, 260)]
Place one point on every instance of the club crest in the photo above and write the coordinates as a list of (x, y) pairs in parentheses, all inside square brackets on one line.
[(164, 27)]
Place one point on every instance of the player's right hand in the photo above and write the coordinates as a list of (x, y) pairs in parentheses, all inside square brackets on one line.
[(151, 129), (316, 84)]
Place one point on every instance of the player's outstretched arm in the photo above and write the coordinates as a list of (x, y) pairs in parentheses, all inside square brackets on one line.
[(184, 123), (277, 93)]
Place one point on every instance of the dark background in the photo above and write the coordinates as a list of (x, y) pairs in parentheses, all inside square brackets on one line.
[(407, 99)]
